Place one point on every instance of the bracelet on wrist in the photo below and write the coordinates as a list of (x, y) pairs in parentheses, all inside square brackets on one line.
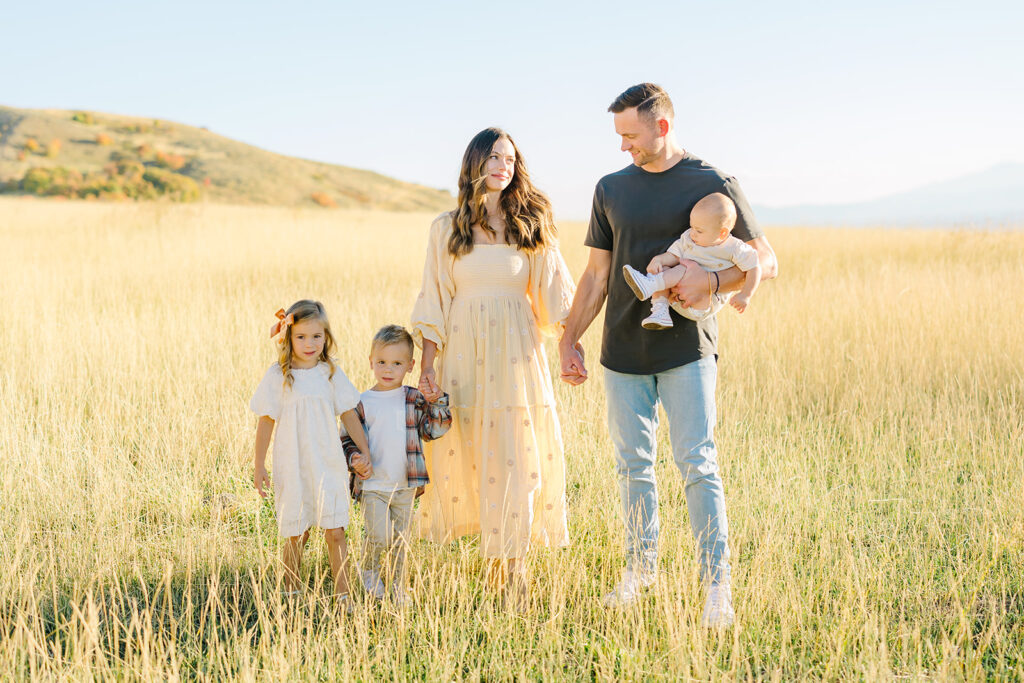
[(718, 283)]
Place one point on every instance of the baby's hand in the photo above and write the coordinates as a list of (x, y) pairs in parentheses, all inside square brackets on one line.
[(361, 465), (740, 302), (655, 266), (261, 480)]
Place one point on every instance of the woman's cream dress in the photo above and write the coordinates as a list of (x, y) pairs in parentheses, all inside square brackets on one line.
[(500, 469)]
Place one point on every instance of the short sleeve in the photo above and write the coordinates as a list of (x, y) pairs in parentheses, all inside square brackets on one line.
[(676, 249), (745, 256), (346, 397), (267, 399), (599, 233), (430, 312), (746, 227), (551, 290)]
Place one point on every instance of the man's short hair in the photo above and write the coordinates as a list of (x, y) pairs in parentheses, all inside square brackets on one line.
[(391, 334), (651, 102)]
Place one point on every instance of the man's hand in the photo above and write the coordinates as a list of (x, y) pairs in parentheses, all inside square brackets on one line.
[(361, 465), (739, 302), (260, 480), (692, 290), (428, 385), (574, 371)]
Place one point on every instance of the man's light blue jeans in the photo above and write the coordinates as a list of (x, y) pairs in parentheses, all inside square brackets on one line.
[(688, 394)]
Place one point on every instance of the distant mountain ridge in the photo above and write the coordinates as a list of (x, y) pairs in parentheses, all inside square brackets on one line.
[(107, 155), (990, 198)]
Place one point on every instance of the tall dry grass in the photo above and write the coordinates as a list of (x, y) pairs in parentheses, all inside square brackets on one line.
[(870, 431)]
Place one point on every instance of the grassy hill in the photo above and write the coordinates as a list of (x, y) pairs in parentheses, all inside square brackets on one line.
[(105, 156)]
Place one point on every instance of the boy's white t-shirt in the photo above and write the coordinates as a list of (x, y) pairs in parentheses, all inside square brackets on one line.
[(385, 423)]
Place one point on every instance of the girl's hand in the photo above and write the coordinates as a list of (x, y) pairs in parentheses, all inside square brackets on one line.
[(261, 480), (428, 385), (361, 465)]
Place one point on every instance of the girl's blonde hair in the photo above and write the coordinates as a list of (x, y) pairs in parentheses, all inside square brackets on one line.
[(300, 311), (529, 224)]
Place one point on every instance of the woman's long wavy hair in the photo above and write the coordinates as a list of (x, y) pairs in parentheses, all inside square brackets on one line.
[(305, 309), (529, 223)]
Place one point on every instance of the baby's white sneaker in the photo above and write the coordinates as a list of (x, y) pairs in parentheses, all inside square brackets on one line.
[(642, 284), (659, 319)]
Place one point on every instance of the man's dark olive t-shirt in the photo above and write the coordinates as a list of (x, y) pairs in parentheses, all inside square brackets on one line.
[(636, 216)]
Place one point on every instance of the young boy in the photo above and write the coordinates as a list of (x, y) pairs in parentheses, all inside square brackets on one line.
[(708, 243), (397, 419)]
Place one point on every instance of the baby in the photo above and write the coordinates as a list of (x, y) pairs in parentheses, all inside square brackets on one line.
[(708, 243)]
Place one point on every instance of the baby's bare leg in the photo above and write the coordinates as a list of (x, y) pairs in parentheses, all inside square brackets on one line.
[(672, 276)]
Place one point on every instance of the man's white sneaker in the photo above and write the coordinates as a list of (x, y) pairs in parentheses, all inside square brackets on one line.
[(718, 612), (630, 588), (642, 284), (659, 319), (372, 583)]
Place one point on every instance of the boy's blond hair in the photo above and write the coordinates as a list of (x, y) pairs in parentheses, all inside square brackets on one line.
[(391, 334)]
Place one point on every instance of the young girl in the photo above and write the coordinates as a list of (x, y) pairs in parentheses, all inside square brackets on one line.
[(302, 393)]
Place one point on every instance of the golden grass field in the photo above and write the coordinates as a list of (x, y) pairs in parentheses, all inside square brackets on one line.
[(870, 436)]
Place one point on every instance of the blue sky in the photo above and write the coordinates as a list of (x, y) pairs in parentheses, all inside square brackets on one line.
[(801, 101)]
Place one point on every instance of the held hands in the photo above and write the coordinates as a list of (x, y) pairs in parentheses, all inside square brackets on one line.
[(260, 480), (574, 371), (361, 465), (428, 385)]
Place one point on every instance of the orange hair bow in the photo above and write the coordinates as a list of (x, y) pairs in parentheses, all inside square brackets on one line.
[(279, 330)]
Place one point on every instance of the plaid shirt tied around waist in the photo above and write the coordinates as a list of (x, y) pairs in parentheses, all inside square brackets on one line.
[(424, 421)]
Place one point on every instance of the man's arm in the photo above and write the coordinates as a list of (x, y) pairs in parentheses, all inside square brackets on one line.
[(590, 295), (692, 290)]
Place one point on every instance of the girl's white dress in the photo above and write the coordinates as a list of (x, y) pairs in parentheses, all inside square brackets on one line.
[(309, 470)]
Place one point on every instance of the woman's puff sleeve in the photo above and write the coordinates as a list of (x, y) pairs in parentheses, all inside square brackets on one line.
[(346, 396), (551, 290), (433, 303), (267, 399)]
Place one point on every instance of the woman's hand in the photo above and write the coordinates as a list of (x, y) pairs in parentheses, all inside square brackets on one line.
[(261, 480), (428, 384)]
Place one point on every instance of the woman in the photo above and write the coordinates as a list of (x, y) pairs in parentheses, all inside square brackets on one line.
[(493, 282)]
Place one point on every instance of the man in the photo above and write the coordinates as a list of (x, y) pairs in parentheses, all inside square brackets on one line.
[(637, 213)]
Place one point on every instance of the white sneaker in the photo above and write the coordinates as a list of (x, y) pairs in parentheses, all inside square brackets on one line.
[(659, 319), (630, 588), (642, 284), (372, 583), (718, 612), (399, 597)]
